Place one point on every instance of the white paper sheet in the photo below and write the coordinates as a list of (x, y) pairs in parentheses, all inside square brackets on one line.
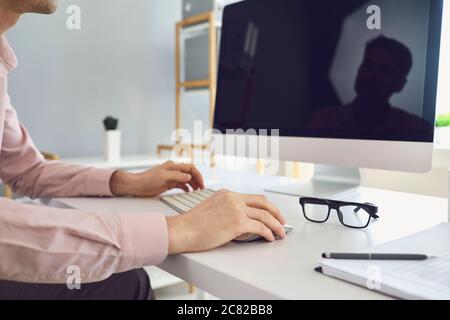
[(429, 279)]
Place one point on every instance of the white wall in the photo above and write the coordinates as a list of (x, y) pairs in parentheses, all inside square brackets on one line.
[(121, 63)]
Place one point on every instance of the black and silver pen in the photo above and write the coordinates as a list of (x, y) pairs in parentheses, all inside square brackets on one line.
[(374, 256)]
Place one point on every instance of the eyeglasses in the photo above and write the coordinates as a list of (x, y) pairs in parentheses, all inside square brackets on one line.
[(351, 214)]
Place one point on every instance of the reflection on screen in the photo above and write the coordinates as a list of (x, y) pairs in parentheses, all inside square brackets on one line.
[(315, 68)]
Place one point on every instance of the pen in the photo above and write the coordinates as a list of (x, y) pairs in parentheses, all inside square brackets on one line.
[(374, 256)]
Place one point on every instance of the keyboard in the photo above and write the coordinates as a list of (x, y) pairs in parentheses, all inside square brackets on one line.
[(185, 202)]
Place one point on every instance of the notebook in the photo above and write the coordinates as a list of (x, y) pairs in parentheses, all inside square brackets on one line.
[(412, 280)]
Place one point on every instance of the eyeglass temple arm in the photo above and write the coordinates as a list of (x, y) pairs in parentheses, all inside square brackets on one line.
[(374, 215)]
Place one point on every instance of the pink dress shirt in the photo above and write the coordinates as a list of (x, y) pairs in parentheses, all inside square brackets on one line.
[(39, 244)]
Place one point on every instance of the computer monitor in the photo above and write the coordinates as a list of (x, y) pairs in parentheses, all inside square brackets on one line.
[(348, 83)]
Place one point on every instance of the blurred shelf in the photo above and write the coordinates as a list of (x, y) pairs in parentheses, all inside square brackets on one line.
[(195, 84), (205, 24), (197, 30)]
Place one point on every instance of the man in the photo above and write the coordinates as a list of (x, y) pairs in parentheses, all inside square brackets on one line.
[(382, 74), (39, 244)]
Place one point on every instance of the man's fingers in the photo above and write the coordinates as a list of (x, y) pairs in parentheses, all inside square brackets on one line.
[(177, 176), (197, 178), (181, 186), (256, 227), (195, 186), (260, 202), (268, 220)]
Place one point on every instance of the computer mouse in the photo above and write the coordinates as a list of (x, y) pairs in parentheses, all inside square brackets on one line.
[(250, 237)]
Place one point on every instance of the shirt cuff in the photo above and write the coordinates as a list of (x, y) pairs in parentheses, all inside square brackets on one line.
[(145, 240), (98, 182)]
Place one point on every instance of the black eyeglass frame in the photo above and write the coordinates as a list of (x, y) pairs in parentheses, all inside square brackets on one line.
[(370, 208)]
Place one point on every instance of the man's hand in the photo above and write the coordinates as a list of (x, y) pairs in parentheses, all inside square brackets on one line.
[(158, 180), (222, 218)]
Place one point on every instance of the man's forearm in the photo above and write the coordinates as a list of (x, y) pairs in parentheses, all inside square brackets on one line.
[(98, 244), (56, 180), (123, 184)]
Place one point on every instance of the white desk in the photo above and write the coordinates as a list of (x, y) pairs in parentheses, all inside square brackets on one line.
[(285, 269)]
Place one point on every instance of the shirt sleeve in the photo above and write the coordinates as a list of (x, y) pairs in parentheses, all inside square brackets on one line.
[(25, 170), (41, 245)]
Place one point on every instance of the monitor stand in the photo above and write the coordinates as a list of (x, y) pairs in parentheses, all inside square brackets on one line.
[(327, 182)]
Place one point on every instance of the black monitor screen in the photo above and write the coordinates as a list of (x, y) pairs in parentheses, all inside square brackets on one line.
[(350, 69)]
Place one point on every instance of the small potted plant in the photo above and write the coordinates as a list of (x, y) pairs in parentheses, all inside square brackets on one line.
[(112, 141)]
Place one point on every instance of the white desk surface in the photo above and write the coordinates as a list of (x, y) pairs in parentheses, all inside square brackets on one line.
[(284, 269)]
